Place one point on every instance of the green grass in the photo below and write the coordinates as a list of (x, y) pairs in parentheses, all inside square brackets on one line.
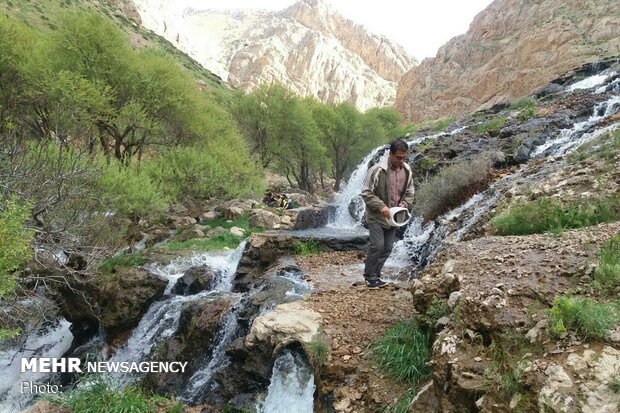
[(307, 247), (527, 113), (587, 318), (402, 352), (442, 124), (551, 215), (607, 272), (491, 126), (614, 385), (504, 373), (128, 260), (403, 404), (103, 396), (605, 147), (523, 103), (222, 241), (438, 308), (318, 351)]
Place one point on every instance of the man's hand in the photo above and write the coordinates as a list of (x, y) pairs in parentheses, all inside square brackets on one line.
[(403, 204), (385, 211)]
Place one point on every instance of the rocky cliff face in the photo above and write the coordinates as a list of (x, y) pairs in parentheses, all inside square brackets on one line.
[(511, 49), (308, 47)]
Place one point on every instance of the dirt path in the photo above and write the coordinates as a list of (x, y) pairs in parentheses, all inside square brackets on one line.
[(354, 317)]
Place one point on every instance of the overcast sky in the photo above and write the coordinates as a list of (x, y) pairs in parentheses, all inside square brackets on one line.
[(420, 26)]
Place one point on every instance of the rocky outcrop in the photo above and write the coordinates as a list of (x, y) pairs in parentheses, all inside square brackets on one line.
[(308, 47), (496, 288), (193, 342), (511, 49), (264, 249), (195, 280)]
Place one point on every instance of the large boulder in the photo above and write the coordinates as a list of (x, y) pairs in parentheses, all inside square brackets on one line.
[(195, 280), (262, 218), (127, 296)]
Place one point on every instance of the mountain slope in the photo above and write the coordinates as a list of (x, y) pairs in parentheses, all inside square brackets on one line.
[(511, 48), (308, 47)]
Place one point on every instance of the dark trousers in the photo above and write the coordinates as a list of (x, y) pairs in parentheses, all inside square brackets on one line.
[(381, 243)]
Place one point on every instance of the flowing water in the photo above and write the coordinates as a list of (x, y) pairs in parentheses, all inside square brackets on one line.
[(52, 340), (292, 386)]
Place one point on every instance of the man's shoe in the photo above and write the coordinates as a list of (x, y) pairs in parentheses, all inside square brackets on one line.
[(375, 284)]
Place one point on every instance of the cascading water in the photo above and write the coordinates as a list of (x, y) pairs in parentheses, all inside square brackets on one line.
[(575, 136), (592, 81), (53, 340), (161, 321), (292, 386)]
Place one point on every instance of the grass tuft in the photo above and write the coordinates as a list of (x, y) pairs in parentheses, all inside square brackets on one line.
[(127, 260), (307, 247), (403, 351), (491, 127), (607, 272), (589, 319), (551, 215)]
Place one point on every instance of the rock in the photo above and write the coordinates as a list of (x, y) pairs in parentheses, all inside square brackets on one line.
[(442, 322), (126, 298), (261, 218), (215, 232), (191, 233), (287, 323), (233, 213), (199, 323), (181, 221), (195, 280), (239, 232), (208, 216), (454, 299), (44, 406), (535, 333)]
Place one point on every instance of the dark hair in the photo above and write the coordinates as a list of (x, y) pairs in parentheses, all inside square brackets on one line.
[(398, 145)]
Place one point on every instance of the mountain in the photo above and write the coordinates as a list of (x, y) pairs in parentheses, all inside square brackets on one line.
[(512, 48), (309, 47)]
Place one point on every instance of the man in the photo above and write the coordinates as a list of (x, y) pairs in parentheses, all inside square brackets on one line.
[(387, 184)]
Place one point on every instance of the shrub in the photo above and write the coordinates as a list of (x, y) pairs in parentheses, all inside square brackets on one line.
[(523, 103), (587, 318), (307, 247), (403, 352), (15, 238), (452, 185), (222, 241), (551, 215), (608, 270), (318, 352)]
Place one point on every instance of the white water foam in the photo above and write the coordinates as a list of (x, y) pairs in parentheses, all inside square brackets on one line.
[(292, 386)]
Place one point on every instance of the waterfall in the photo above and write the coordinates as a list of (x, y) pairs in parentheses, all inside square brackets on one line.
[(52, 340), (343, 218), (575, 137), (161, 320), (292, 386), (592, 81)]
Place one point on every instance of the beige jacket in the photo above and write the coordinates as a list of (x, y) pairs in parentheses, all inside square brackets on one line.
[(376, 191)]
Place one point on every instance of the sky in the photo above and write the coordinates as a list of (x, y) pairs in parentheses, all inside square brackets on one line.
[(420, 26)]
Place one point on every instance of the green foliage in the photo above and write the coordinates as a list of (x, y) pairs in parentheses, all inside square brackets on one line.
[(15, 240), (102, 395), (307, 247), (607, 272), (523, 103), (452, 185), (225, 171), (505, 371), (427, 163), (605, 147), (442, 124), (491, 127), (614, 385), (402, 351), (552, 215), (437, 309), (129, 260), (225, 240), (129, 191), (587, 318), (526, 114), (318, 351)]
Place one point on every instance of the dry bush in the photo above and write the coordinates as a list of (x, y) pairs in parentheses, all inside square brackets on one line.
[(453, 185)]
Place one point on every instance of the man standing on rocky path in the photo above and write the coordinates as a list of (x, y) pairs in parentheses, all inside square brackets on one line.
[(387, 184)]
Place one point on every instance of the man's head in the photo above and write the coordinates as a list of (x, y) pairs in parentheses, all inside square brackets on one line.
[(398, 153)]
